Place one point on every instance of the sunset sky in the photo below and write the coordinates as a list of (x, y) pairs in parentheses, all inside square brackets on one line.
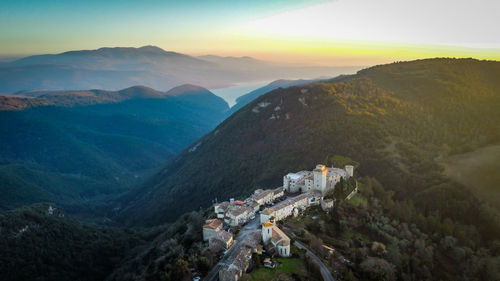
[(341, 32)]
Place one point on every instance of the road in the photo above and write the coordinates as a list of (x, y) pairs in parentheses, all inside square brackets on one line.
[(248, 228), (325, 273)]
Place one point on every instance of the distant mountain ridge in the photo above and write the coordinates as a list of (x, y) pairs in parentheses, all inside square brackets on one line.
[(122, 56), (121, 67), (90, 97)]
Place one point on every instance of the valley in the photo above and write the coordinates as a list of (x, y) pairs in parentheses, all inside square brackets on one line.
[(146, 166), (304, 140), (82, 149)]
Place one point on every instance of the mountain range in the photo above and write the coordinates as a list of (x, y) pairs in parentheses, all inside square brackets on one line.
[(100, 153), (78, 147), (120, 67)]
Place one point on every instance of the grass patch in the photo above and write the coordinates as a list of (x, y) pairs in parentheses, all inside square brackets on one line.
[(290, 265), (286, 267), (478, 171), (263, 273), (358, 200)]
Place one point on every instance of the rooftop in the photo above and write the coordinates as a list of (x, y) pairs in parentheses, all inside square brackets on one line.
[(262, 194), (267, 224), (222, 205), (238, 210), (285, 203), (213, 224), (279, 237), (336, 171), (298, 175), (224, 236)]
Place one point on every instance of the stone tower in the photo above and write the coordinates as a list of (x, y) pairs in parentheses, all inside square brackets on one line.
[(350, 170), (319, 175), (267, 231)]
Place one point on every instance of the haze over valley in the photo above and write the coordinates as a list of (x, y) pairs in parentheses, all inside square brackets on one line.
[(118, 68)]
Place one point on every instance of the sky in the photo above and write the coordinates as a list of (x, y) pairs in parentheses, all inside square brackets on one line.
[(340, 32)]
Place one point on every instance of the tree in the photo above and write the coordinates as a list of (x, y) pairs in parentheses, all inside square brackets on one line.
[(180, 270), (377, 269)]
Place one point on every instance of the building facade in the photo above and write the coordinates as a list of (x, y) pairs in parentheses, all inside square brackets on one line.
[(275, 236), (211, 228), (320, 179)]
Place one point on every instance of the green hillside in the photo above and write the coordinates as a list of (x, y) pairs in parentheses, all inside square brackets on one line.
[(396, 120), (85, 148), (249, 97), (478, 170)]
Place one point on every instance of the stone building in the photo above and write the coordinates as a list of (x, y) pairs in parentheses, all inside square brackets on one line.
[(321, 179), (223, 238), (211, 228), (277, 238), (286, 208), (239, 260)]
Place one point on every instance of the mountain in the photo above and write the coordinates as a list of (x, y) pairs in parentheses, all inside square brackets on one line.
[(119, 67), (399, 121), (282, 83), (80, 148), (113, 58)]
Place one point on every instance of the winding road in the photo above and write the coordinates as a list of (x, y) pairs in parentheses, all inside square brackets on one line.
[(325, 272)]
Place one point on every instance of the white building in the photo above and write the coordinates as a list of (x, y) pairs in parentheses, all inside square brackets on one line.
[(238, 215), (278, 193), (320, 179), (286, 208), (297, 182), (272, 234), (221, 209), (263, 197)]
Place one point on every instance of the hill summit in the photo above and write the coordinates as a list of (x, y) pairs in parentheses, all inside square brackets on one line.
[(396, 119)]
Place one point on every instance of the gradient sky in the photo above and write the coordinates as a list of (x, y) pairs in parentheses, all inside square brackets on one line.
[(341, 32)]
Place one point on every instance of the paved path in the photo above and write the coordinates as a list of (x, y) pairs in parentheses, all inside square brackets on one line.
[(325, 273), (248, 228)]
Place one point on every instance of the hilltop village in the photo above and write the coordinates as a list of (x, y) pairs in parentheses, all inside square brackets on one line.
[(263, 209)]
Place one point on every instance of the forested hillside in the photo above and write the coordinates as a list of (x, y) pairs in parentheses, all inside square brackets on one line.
[(249, 97), (397, 120), (78, 148), (39, 243)]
